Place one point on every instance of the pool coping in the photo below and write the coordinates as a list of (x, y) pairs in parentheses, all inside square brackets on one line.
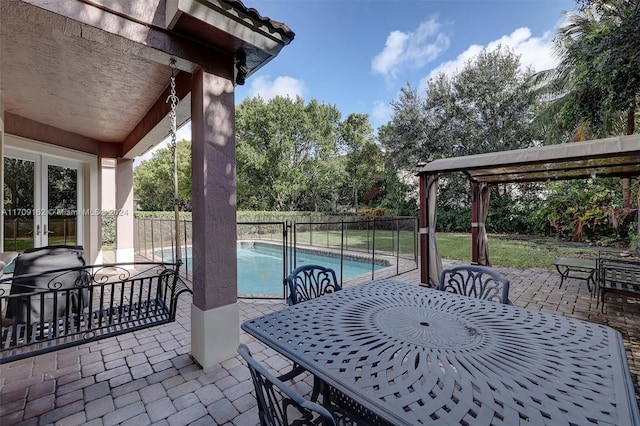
[(389, 263)]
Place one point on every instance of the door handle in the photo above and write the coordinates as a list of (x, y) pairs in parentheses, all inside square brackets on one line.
[(37, 229), (47, 232)]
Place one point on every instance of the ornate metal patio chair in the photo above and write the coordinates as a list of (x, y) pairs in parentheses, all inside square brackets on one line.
[(310, 281), (278, 404), (475, 281)]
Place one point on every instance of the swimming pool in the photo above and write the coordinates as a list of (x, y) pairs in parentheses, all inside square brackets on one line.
[(260, 267)]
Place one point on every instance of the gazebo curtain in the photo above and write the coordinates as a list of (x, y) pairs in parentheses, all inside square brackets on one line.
[(483, 211), (434, 260)]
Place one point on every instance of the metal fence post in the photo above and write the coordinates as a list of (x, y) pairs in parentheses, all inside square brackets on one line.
[(368, 236), (153, 243), (394, 221), (373, 250), (342, 238), (144, 223), (397, 222), (327, 234), (135, 235), (15, 235), (345, 235), (415, 240), (284, 260), (186, 249), (172, 230)]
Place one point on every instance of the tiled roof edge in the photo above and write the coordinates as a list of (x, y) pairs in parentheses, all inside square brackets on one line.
[(280, 27)]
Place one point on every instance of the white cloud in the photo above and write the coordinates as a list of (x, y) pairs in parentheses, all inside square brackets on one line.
[(386, 62), (535, 52), (414, 49), (381, 113), (284, 86)]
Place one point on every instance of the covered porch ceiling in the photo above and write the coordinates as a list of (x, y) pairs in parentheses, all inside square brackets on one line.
[(96, 72), (610, 157)]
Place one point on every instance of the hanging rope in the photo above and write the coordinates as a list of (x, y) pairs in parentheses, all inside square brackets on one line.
[(173, 98)]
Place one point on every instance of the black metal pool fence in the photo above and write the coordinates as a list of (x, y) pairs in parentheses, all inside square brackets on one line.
[(388, 241), (19, 232)]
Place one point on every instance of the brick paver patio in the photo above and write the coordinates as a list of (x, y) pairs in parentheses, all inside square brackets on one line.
[(148, 377)]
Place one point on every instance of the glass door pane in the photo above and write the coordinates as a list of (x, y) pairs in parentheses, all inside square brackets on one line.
[(19, 204), (62, 206), (41, 199)]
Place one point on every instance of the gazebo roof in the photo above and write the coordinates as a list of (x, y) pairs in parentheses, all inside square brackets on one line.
[(617, 156)]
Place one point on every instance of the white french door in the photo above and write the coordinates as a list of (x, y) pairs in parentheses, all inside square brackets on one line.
[(43, 200)]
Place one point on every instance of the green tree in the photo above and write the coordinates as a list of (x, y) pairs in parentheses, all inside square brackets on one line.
[(153, 179), (603, 45), (486, 107), (400, 195), (363, 159), (596, 87), (285, 154), (405, 138), (18, 185), (62, 188)]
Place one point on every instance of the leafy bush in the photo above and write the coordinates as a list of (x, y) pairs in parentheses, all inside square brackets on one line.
[(507, 215), (108, 227), (454, 220), (372, 212), (579, 209), (167, 214)]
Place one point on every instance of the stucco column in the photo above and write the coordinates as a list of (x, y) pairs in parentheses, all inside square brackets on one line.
[(124, 210), (1, 173), (214, 315)]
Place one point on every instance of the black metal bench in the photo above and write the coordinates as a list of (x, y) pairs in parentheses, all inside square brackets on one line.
[(619, 277), (43, 312)]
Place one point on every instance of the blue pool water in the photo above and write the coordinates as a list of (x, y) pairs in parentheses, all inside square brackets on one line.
[(260, 268)]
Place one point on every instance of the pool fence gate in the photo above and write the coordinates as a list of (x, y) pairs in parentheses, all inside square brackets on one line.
[(388, 244)]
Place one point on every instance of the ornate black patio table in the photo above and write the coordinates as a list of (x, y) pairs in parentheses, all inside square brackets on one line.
[(414, 355)]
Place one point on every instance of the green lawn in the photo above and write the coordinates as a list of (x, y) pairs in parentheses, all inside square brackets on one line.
[(504, 250), (514, 251), (21, 244), (361, 239)]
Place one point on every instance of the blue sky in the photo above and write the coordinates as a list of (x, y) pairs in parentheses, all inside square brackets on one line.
[(358, 54)]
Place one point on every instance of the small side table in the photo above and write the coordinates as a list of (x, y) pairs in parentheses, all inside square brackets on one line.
[(582, 269)]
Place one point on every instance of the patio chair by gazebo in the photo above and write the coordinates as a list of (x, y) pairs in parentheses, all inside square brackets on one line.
[(475, 281)]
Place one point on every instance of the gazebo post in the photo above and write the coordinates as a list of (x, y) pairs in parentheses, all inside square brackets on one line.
[(424, 246), (475, 205), (638, 219)]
